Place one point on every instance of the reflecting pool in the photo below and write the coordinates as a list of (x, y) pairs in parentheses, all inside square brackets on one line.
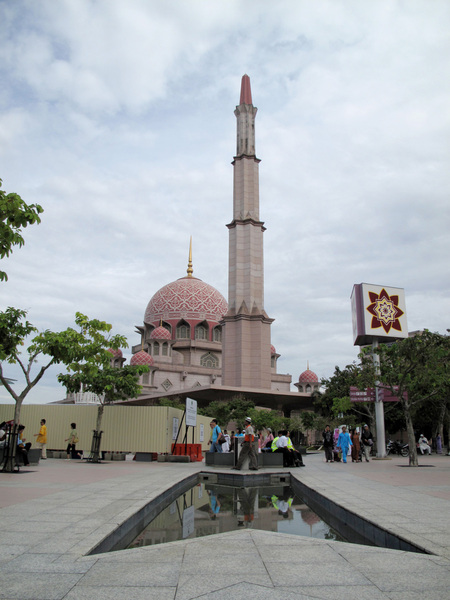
[(206, 509)]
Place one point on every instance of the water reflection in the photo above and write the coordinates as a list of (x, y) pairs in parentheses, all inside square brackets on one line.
[(207, 509)]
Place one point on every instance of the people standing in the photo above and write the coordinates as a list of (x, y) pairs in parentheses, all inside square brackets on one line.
[(367, 442), (41, 439), (328, 443), (226, 444), (216, 434), (248, 448), (72, 441), (356, 448), (268, 439), (344, 442)]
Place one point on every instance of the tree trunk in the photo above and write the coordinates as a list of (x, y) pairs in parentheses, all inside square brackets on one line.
[(413, 460), (97, 436)]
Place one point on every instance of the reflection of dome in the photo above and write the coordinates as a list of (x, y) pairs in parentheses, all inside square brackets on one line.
[(272, 350), (141, 358), (116, 353), (160, 333), (308, 376), (308, 516), (187, 298)]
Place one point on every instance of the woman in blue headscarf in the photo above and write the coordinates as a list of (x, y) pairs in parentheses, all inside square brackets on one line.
[(344, 442)]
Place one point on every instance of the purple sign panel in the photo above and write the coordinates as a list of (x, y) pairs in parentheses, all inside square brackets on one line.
[(368, 395)]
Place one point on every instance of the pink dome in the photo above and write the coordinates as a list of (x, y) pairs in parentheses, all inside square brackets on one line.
[(272, 350), (308, 376), (187, 298), (141, 358), (116, 353), (160, 333)]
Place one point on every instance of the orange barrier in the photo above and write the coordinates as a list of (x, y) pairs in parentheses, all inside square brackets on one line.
[(192, 450)]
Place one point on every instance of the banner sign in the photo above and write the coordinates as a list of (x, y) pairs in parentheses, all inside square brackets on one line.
[(378, 313)]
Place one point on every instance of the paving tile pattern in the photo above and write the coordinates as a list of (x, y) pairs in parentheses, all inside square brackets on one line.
[(44, 540)]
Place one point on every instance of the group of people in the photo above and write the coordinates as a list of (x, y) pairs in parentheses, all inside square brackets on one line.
[(220, 441), (337, 449), (23, 446)]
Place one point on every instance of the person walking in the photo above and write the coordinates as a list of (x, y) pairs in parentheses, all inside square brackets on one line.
[(216, 434), (328, 443), (344, 443), (356, 448), (367, 442), (247, 448), (72, 441), (41, 439)]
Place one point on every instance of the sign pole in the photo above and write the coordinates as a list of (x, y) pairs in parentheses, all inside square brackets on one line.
[(379, 407)]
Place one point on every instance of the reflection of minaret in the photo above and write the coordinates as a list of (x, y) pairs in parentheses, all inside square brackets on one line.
[(246, 326)]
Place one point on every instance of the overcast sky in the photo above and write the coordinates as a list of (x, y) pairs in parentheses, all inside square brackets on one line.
[(117, 117)]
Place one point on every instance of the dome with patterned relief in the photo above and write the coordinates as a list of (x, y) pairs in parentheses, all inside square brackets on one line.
[(187, 298), (308, 376), (160, 333), (141, 358), (116, 353)]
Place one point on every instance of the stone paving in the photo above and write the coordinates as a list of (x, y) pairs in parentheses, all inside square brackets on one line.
[(53, 514)]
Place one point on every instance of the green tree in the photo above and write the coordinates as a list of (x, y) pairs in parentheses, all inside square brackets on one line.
[(93, 372), (81, 350), (15, 215), (416, 370)]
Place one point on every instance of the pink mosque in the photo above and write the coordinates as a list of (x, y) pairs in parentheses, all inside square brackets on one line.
[(199, 345)]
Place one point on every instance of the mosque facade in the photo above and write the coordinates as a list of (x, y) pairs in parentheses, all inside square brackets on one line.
[(200, 345)]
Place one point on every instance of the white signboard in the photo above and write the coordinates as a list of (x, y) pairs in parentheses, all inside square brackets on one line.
[(191, 412), (202, 432), (378, 312), (188, 521), (175, 422)]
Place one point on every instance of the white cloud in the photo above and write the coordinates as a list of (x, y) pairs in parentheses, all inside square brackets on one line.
[(118, 118)]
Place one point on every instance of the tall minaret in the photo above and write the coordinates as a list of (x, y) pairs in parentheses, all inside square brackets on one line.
[(246, 326)]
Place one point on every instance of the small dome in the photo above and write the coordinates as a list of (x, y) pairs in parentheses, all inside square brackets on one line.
[(141, 358), (272, 350), (308, 376), (116, 353), (160, 333)]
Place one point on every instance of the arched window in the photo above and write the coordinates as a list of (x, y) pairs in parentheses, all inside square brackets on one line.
[(217, 334), (183, 330), (156, 348), (308, 389), (210, 361), (164, 347), (201, 331)]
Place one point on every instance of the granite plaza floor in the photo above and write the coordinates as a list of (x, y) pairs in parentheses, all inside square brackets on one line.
[(54, 513)]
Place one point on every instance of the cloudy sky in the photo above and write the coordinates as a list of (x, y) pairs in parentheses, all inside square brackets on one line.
[(117, 117)]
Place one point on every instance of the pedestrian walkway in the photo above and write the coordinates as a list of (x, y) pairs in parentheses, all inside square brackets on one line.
[(52, 515)]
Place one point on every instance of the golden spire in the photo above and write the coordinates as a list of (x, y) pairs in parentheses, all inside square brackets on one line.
[(190, 270), (307, 365)]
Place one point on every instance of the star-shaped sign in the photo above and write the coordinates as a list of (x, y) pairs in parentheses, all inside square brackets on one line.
[(385, 311)]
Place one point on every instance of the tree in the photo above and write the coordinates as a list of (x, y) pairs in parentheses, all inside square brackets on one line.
[(15, 214), (93, 373), (73, 348), (416, 370)]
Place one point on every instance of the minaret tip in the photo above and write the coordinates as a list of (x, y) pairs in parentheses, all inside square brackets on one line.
[(246, 91), (190, 270)]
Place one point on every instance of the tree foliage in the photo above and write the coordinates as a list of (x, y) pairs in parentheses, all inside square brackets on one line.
[(15, 215)]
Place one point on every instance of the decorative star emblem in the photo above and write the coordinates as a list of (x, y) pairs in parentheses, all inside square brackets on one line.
[(385, 311)]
